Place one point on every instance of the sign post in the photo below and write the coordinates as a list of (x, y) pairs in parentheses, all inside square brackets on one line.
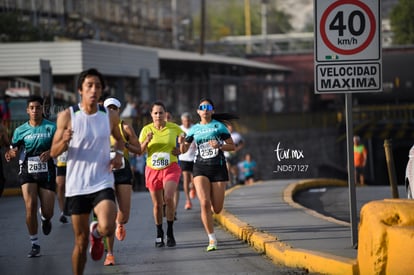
[(46, 82), (348, 60)]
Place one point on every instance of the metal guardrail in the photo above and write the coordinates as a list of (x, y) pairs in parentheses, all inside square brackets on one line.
[(363, 116), (384, 113)]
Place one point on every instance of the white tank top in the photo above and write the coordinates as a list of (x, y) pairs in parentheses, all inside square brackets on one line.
[(88, 160), (190, 154)]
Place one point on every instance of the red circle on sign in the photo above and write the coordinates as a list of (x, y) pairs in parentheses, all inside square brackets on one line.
[(367, 41)]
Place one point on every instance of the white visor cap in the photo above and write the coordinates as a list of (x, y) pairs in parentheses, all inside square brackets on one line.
[(112, 101)]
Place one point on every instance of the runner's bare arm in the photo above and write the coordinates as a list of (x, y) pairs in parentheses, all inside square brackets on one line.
[(63, 134), (119, 142), (133, 144), (144, 144)]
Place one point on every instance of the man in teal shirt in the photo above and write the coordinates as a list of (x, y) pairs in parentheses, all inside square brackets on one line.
[(37, 175)]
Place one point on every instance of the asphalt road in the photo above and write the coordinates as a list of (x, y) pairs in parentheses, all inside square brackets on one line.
[(136, 254)]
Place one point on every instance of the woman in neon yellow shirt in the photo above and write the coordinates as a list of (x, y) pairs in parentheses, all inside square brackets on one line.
[(162, 173)]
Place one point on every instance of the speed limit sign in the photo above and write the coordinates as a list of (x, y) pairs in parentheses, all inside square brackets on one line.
[(347, 43), (347, 30)]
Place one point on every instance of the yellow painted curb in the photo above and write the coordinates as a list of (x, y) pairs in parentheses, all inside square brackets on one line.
[(386, 237), (283, 253), (8, 192)]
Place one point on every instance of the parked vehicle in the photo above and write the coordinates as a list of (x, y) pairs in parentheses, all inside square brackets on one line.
[(18, 104), (409, 174)]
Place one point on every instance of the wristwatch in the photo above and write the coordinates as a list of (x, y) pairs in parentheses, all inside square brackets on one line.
[(126, 145)]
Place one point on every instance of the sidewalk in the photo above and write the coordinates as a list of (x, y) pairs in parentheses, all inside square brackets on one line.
[(264, 215)]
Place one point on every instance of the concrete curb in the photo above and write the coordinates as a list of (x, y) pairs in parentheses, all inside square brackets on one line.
[(283, 253), (293, 188)]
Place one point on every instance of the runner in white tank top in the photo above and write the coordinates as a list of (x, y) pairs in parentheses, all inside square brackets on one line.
[(94, 151), (83, 130)]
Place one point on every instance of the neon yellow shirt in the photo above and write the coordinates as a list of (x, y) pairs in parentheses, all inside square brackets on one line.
[(161, 145), (112, 139)]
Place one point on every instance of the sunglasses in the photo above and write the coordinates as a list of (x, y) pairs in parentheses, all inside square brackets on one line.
[(205, 107)]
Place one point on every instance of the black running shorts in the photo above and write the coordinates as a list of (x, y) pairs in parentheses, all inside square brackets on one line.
[(214, 173), (46, 180), (83, 204), (61, 171), (124, 175), (186, 165)]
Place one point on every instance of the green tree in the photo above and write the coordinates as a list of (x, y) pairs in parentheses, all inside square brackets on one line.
[(13, 28), (278, 21), (402, 22), (226, 18)]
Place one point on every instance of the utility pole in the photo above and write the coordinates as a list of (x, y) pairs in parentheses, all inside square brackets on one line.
[(264, 17), (247, 25), (174, 24), (34, 13), (202, 26), (264, 24)]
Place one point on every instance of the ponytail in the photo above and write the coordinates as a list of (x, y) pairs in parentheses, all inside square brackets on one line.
[(222, 117)]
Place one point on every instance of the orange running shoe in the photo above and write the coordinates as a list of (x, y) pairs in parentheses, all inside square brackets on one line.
[(188, 205), (120, 232), (109, 260)]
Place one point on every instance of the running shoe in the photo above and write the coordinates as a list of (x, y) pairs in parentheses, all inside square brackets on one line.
[(34, 252), (46, 224), (159, 242), (109, 260), (171, 241), (193, 193), (188, 205), (63, 219), (120, 232), (211, 246), (46, 227), (96, 246)]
